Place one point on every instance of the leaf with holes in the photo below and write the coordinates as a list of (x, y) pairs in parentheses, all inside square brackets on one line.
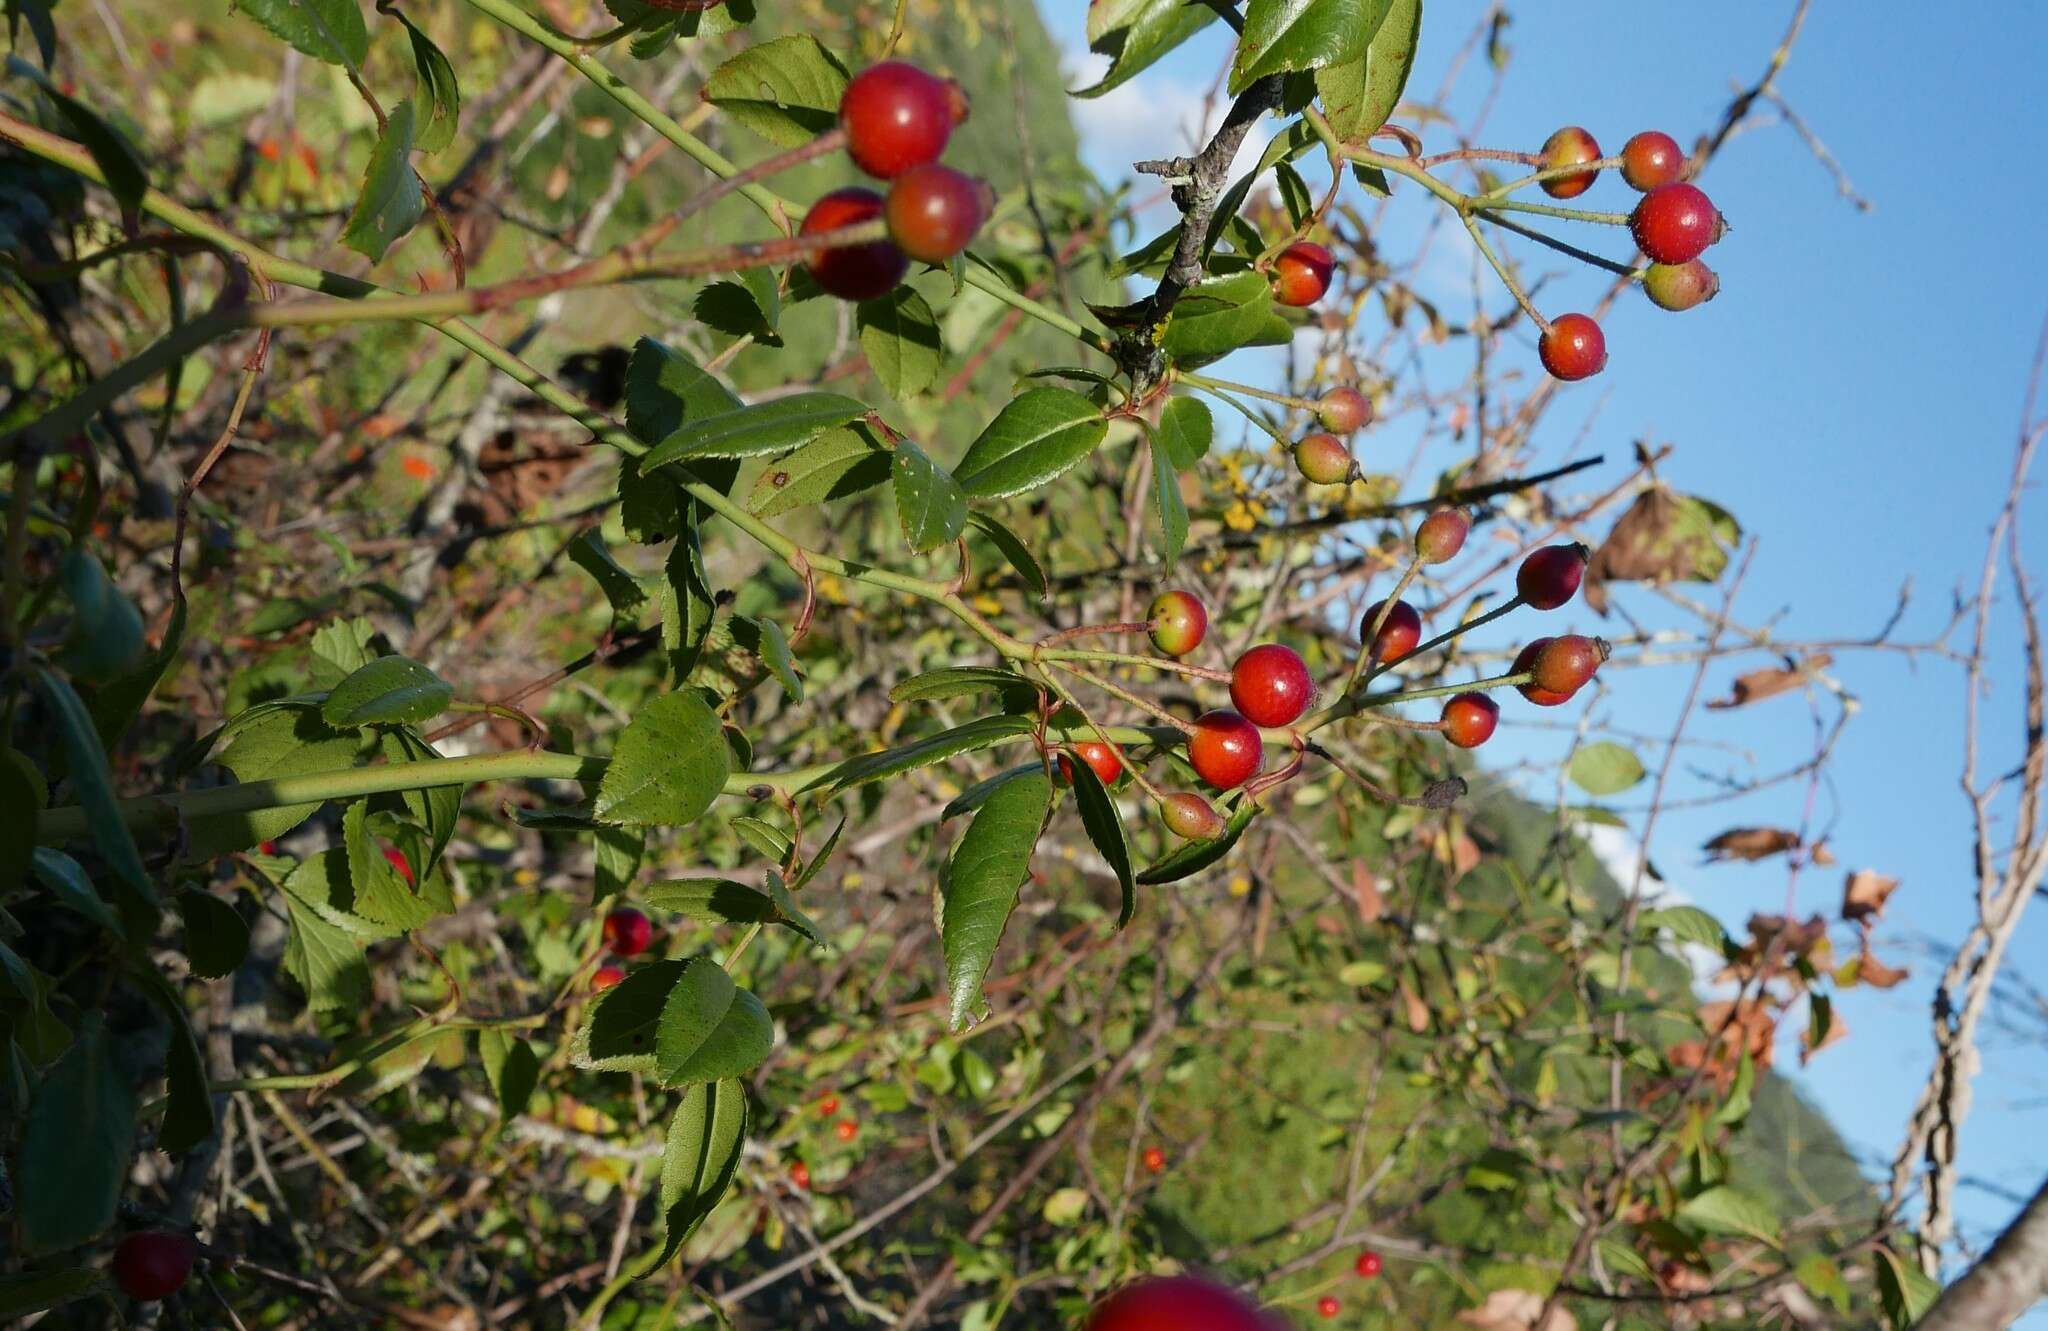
[(836, 465), (929, 503), (786, 90)]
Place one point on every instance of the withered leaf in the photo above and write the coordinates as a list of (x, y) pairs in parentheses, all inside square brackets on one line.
[(1871, 971), (1864, 893), (1664, 537), (1750, 843), (1371, 904), (1768, 683)]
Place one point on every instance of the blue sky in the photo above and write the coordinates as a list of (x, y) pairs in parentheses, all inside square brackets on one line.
[(1853, 396)]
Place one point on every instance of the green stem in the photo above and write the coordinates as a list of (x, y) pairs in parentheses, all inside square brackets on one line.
[(1548, 210), (1501, 271), (1224, 385)]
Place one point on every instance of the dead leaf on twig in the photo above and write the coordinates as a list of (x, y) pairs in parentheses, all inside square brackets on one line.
[(1758, 685)]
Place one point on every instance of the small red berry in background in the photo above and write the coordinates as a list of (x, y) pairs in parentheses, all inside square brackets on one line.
[(1368, 1264), (934, 211), (1566, 663), (1177, 1303), (1650, 159), (1442, 535), (828, 1105), (604, 977), (846, 1129), (268, 848), (1102, 759), (1569, 147), (1549, 577), (627, 932), (800, 1175), (1524, 661), (1469, 719), (852, 272), (1302, 273), (896, 117), (1398, 636), (396, 858), (1179, 622), (1322, 459), (1155, 1159), (1573, 347), (1190, 817), (1270, 685), (1680, 286), (154, 1264), (1328, 1307), (1675, 223), (1225, 749), (1345, 410)]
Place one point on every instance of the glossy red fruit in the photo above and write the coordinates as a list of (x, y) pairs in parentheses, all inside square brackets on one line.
[(1368, 1264), (604, 977), (1328, 1307), (1680, 286), (627, 932), (1469, 719), (1398, 636), (852, 272), (1225, 749), (1441, 535), (1566, 663), (1568, 147), (1573, 347), (1189, 816), (1549, 577), (1674, 223), (896, 116), (154, 1264), (1345, 410), (396, 859), (1270, 685), (846, 1129), (1100, 757), (1302, 273), (1177, 1303), (1179, 622), (1526, 660), (800, 1175), (934, 211), (1323, 459), (1650, 159), (1155, 1159)]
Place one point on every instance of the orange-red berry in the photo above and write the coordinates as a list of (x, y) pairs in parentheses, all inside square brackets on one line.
[(1323, 459), (1469, 719), (934, 211), (1573, 347), (1344, 410), (1101, 759), (396, 859), (800, 1175), (1225, 749), (1270, 685), (852, 272), (1680, 286), (1569, 147), (604, 977), (896, 116), (1675, 223), (828, 1105), (1328, 1307), (1397, 637), (1549, 577), (1650, 159), (1368, 1264), (1566, 663), (1524, 661), (846, 1129), (1302, 273), (1155, 1159)]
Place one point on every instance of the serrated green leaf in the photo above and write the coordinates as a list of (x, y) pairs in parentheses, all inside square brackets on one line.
[(389, 691), (329, 30), (1820, 1277), (1359, 95), (618, 851), (1688, 924), (1191, 857), (1217, 317), (1167, 503), (959, 682), (687, 605), (786, 90), (734, 903), (1283, 36), (929, 502), (322, 954), (438, 96), (711, 1030), (979, 734), (772, 842), (698, 1163), (118, 159), (390, 202), (621, 589), (434, 808), (670, 764), (835, 465), (900, 335), (621, 1024), (1604, 768), (1136, 33), (745, 305), (765, 427), (1013, 550), (371, 886), (987, 869), (1905, 1291), (665, 390), (1186, 429), (216, 936), (512, 1069), (1105, 829), (1039, 435), (76, 1147), (764, 638)]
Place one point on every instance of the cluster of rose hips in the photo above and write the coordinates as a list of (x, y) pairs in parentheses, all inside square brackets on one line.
[(627, 932), (1673, 225), (845, 1129), (896, 119)]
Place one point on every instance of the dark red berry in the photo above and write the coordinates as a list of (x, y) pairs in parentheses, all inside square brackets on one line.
[(1469, 719), (1569, 147), (1674, 223), (1573, 347), (1524, 660), (896, 117), (1188, 815), (852, 272), (154, 1264), (627, 932), (1179, 622), (1549, 577), (1270, 685), (1225, 749), (1566, 663), (934, 211), (1177, 1303), (1398, 636), (1302, 273), (1323, 459), (1441, 535), (605, 977), (1155, 1159), (1368, 1264), (1345, 410), (1680, 286), (1328, 1307), (1102, 759), (1650, 159)]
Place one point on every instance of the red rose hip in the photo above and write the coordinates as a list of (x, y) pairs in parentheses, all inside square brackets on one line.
[(1179, 622), (1549, 577), (1302, 273), (1328, 1307), (1442, 535), (1322, 459), (605, 977), (896, 116), (1469, 719), (1566, 663), (934, 211), (1177, 1303), (1525, 660), (852, 272), (1155, 1159), (154, 1264), (1398, 636), (1101, 759), (846, 1129), (1650, 159), (1368, 1264), (1573, 347), (1674, 223), (1189, 816), (627, 932), (1270, 685), (1225, 749), (1345, 410), (1569, 147)]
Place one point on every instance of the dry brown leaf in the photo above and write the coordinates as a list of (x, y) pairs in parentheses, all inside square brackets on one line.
[(1864, 893), (1371, 905), (1750, 843), (1664, 537), (1821, 855), (1871, 971), (1418, 1011), (1768, 683), (1516, 1310)]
